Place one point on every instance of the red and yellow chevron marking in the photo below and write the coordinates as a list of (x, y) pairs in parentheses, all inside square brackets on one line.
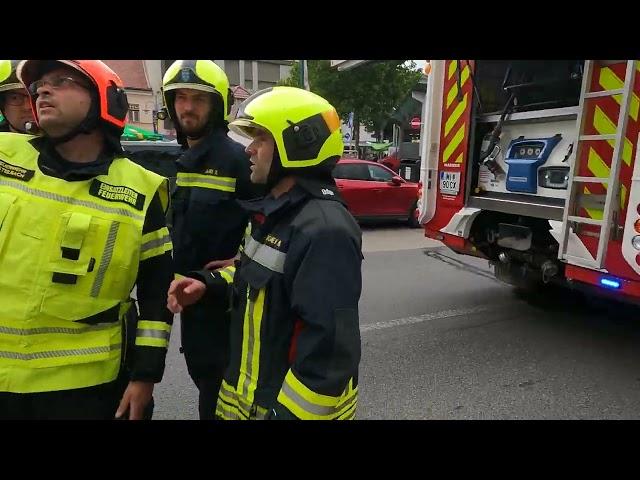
[(454, 137), (455, 118), (596, 156)]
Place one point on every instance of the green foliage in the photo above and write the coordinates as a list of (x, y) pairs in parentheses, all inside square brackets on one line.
[(371, 91)]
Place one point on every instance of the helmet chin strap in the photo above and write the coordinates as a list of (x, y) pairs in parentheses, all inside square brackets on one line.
[(276, 171), (16, 129)]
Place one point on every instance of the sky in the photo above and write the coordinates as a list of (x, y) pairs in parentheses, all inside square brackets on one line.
[(420, 63)]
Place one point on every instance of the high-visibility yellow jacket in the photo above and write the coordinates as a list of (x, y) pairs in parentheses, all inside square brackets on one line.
[(69, 256)]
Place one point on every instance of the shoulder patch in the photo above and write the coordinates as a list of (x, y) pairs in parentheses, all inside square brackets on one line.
[(14, 171), (117, 193)]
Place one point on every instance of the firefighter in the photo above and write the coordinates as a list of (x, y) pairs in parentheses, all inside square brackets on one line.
[(295, 337), (81, 224), (14, 99), (207, 222)]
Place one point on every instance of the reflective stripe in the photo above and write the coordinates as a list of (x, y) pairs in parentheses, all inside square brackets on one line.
[(59, 353), (228, 398), (453, 144), (141, 332), (229, 412), (307, 404), (71, 201), (247, 236), (260, 414), (228, 278), (153, 334), (228, 273), (230, 406), (226, 184), (350, 414), (152, 342), (106, 259), (166, 240), (455, 115), (46, 330), (233, 401), (251, 355), (265, 255), (320, 410), (247, 349), (155, 243), (225, 388), (251, 246)]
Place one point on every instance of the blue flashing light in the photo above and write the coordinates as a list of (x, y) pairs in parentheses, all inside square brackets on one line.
[(609, 283)]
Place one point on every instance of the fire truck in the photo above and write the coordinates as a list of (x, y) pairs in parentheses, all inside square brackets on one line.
[(534, 166)]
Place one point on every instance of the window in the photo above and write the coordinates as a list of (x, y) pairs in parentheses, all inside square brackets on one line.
[(134, 112), (379, 174), (351, 171)]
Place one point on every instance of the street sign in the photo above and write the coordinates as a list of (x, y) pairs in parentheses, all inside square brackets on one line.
[(415, 122)]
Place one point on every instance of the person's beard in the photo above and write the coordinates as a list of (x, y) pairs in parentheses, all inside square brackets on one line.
[(194, 127)]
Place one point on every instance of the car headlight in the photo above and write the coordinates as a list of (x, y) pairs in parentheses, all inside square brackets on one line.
[(554, 177)]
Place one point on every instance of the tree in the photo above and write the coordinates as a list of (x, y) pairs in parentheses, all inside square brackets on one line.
[(370, 91)]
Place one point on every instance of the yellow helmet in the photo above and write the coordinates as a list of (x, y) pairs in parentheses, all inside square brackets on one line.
[(8, 78), (306, 127), (202, 75)]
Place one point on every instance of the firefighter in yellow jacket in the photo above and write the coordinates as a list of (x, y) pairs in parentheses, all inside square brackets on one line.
[(80, 225), (295, 337)]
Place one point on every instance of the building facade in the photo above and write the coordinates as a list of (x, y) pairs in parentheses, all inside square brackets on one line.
[(143, 83)]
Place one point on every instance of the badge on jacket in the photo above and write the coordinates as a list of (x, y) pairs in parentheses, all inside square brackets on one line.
[(117, 193), (13, 171)]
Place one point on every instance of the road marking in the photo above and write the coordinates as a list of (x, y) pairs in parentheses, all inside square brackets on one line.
[(458, 312)]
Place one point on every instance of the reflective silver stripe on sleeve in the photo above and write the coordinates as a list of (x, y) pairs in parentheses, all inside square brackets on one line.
[(158, 242), (265, 255), (146, 332)]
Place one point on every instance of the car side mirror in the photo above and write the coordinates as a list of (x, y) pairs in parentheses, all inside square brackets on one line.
[(395, 181)]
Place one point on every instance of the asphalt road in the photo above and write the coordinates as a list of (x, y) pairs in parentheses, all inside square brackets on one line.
[(442, 339)]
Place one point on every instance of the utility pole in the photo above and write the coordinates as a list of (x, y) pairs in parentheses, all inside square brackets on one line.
[(304, 75)]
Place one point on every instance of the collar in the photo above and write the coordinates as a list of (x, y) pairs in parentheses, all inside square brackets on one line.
[(52, 164), (304, 188), (269, 205), (322, 188), (192, 158)]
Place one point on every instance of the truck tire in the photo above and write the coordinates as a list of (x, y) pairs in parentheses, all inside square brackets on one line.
[(412, 221)]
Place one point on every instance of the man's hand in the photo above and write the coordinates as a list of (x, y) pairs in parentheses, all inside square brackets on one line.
[(216, 264), (135, 399), (184, 292)]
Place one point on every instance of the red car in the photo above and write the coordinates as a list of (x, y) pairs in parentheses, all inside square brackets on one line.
[(373, 191)]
